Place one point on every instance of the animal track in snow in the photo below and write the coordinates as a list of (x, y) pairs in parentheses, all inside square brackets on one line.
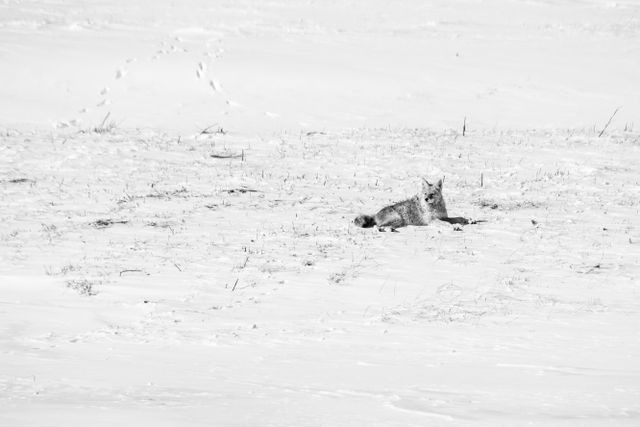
[(120, 73), (201, 69), (161, 52), (215, 85)]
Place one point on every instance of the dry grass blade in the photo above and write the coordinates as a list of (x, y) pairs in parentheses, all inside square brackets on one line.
[(105, 127)]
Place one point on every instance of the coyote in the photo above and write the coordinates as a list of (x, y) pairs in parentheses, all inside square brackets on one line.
[(426, 206)]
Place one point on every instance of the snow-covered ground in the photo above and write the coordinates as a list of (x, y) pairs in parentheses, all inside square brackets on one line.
[(254, 65), (154, 274)]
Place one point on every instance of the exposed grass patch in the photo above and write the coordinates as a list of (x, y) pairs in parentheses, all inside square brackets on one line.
[(83, 287)]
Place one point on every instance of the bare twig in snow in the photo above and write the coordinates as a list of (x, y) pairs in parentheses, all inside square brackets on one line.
[(608, 123), (104, 223), (213, 130), (20, 181), (240, 190), (133, 271), (227, 156)]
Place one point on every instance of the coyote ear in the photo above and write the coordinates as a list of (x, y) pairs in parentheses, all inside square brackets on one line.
[(425, 182), (439, 183)]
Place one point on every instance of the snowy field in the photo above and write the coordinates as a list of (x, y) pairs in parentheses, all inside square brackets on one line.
[(178, 183)]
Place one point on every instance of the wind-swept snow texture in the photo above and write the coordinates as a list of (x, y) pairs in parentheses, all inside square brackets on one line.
[(178, 182)]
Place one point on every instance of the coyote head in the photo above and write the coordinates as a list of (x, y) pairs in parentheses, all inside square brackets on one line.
[(432, 193)]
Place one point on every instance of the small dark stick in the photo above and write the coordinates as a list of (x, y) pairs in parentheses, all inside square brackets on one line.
[(227, 156), (234, 285), (131, 271), (608, 123), (464, 126), (208, 130), (481, 179), (104, 120)]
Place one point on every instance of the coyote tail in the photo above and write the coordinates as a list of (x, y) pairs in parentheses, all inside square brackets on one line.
[(365, 221)]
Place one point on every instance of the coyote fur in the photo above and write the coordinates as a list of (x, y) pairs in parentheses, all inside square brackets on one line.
[(423, 208)]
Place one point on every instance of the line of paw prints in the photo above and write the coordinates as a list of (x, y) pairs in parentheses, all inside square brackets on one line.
[(175, 45)]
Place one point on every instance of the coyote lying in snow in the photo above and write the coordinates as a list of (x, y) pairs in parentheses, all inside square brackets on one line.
[(426, 206)]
